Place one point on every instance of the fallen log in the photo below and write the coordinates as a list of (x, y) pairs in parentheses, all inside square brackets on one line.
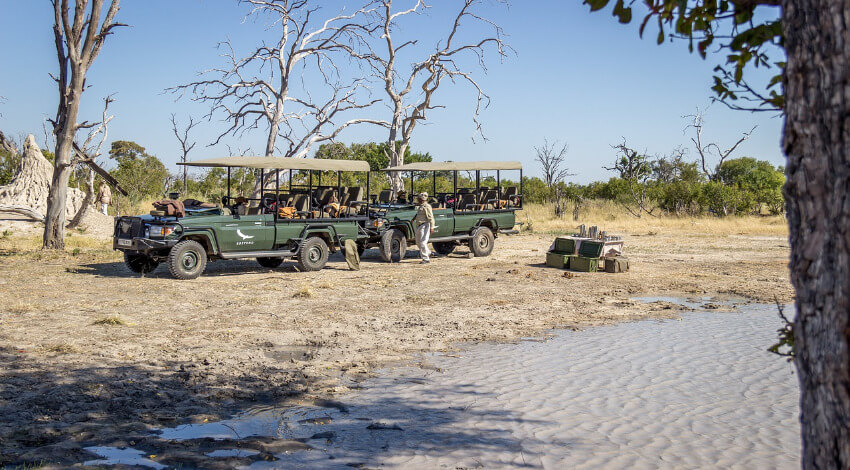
[(27, 211)]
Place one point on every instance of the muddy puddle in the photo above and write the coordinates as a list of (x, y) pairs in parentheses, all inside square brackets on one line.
[(696, 392)]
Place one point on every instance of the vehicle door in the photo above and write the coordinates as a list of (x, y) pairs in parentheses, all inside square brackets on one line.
[(287, 229), (464, 221), (247, 233), (444, 224)]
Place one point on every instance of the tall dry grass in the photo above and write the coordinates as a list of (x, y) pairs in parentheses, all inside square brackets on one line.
[(17, 243), (612, 218)]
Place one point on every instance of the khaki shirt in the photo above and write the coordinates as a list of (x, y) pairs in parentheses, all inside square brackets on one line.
[(424, 214), (105, 194)]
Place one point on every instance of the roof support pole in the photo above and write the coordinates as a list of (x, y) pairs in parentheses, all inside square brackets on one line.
[(434, 183), (228, 184), (478, 186), (520, 189), (454, 190)]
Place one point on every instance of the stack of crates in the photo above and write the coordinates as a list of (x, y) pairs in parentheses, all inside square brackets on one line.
[(587, 259), (559, 256)]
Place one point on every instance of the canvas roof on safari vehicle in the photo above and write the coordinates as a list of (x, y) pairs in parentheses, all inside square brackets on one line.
[(457, 166), (281, 163)]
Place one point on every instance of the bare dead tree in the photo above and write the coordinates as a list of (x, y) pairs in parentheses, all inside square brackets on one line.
[(635, 169), (78, 41), (261, 88), (427, 74), (90, 153), (182, 135), (553, 159), (711, 150)]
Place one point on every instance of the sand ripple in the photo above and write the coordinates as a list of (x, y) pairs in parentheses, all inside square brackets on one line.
[(700, 392)]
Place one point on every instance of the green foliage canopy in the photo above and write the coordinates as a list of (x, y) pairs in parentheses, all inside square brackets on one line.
[(749, 35), (141, 174)]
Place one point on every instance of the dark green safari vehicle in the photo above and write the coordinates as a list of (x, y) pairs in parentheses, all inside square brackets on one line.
[(474, 216), (304, 222)]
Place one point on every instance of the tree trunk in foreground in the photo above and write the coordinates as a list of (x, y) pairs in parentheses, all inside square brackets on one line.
[(54, 221), (817, 143)]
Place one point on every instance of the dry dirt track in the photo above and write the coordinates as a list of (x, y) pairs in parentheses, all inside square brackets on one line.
[(194, 350)]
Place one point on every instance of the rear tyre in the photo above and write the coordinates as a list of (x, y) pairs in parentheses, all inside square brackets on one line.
[(313, 255), (140, 264), (270, 262), (187, 260), (444, 248), (481, 243), (393, 246)]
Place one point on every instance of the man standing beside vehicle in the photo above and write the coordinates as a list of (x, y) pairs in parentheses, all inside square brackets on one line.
[(104, 198), (424, 222)]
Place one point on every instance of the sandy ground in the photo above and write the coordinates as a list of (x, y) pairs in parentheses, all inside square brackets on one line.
[(93, 355), (700, 392)]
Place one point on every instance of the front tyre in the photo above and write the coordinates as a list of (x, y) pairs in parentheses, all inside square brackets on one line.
[(270, 262), (140, 264), (187, 260), (444, 248), (482, 242), (313, 255), (393, 246)]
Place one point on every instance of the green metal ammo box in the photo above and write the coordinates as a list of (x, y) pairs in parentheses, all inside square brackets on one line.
[(565, 245), (557, 260), (584, 264), (590, 249)]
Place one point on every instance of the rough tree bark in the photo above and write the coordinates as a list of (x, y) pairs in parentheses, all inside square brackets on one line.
[(78, 41), (816, 140)]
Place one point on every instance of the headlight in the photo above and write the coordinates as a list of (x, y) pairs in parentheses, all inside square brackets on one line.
[(159, 231), (378, 223)]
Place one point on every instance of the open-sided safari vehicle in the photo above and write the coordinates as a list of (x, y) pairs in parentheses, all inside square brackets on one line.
[(473, 215), (305, 222)]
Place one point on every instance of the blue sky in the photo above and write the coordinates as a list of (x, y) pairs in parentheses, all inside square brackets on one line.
[(576, 77)]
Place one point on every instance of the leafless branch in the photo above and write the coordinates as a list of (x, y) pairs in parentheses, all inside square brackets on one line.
[(552, 160), (426, 75), (89, 153), (260, 89), (712, 150)]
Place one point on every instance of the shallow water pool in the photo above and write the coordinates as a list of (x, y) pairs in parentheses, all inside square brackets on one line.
[(700, 392)]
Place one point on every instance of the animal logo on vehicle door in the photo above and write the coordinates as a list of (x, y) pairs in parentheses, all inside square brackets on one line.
[(244, 238)]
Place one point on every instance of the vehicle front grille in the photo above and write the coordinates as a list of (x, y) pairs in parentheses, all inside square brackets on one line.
[(128, 227)]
